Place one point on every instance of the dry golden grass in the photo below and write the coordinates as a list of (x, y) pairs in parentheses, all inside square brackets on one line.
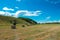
[(35, 32)]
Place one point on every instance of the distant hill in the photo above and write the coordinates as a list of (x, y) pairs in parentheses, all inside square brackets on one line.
[(20, 20)]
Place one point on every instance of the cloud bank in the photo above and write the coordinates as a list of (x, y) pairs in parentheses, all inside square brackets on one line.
[(6, 12), (28, 13)]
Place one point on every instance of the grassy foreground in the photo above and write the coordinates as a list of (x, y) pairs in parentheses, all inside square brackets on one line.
[(35, 32)]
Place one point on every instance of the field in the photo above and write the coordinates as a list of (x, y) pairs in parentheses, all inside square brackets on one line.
[(34, 32)]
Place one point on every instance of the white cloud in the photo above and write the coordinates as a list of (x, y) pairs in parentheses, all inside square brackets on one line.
[(5, 13), (24, 12), (6, 9), (35, 13), (19, 12), (28, 13), (2, 13), (53, 21)]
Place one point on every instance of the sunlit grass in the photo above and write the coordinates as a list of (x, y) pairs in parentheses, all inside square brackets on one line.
[(34, 32)]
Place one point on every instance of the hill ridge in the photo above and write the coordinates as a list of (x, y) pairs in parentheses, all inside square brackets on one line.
[(20, 20)]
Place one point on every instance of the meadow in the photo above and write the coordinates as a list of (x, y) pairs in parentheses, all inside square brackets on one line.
[(33, 32)]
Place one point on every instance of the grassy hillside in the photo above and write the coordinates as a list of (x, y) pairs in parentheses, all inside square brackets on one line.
[(21, 20), (28, 20)]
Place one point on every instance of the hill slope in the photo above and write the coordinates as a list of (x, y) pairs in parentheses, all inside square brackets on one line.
[(21, 20)]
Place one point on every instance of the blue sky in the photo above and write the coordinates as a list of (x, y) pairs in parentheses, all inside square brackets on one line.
[(38, 10)]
